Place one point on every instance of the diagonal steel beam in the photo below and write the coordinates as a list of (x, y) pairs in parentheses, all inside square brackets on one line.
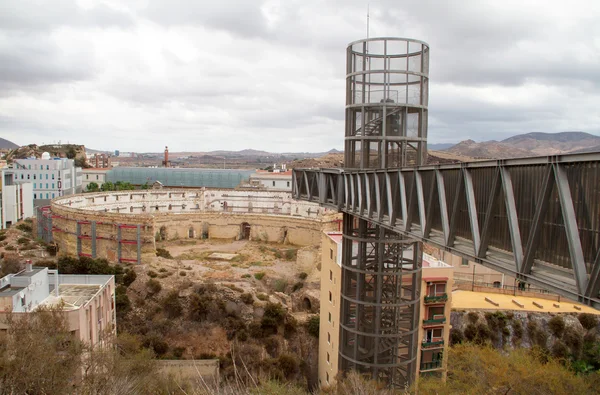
[(571, 229), (513, 220), (454, 218), (541, 209), (472, 208), (402, 196), (420, 201), (391, 198), (443, 204), (489, 212)]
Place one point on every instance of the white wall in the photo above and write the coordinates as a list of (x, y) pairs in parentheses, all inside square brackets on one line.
[(36, 289)]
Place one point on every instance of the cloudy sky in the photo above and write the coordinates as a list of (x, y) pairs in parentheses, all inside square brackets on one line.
[(200, 75)]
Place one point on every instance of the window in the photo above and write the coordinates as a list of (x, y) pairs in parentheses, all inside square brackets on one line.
[(52, 195), (53, 176), (327, 377), (96, 176), (28, 177), (328, 358), (273, 183), (47, 196), (52, 185), (46, 176), (47, 167), (328, 338), (35, 195), (329, 317), (436, 312), (436, 289), (46, 185), (21, 176), (330, 297), (34, 176), (34, 185), (433, 335), (330, 275), (331, 253), (288, 183), (87, 176), (464, 262)]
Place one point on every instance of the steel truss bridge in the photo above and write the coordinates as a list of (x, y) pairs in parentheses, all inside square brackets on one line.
[(537, 219)]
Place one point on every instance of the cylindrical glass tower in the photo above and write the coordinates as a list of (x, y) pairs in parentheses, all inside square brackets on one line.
[(387, 84), (386, 127)]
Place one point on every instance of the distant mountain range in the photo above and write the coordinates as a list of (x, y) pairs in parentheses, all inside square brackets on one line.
[(5, 144), (529, 144)]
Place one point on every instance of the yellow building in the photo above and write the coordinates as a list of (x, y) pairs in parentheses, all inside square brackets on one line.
[(433, 337)]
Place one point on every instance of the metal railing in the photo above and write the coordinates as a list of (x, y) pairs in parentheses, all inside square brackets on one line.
[(431, 365), (436, 298), (434, 321), (431, 344)]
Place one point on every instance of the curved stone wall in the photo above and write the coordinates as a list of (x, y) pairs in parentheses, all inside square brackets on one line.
[(123, 226)]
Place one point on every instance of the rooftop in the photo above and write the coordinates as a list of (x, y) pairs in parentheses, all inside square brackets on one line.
[(72, 295)]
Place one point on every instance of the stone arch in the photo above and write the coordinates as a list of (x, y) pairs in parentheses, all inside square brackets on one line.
[(245, 229), (191, 233), (306, 304), (163, 232)]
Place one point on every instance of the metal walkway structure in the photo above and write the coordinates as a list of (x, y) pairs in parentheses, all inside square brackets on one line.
[(537, 219)]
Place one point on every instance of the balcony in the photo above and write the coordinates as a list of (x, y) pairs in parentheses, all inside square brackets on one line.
[(436, 298), (431, 365), (432, 344), (435, 321)]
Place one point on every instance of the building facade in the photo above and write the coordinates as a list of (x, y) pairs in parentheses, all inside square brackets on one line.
[(434, 311), (16, 201), (51, 177), (97, 175), (272, 181), (87, 300)]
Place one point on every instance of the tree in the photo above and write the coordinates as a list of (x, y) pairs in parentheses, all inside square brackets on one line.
[(71, 153), (93, 187), (108, 186)]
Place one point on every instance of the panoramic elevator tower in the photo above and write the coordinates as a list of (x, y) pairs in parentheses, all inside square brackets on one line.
[(386, 127)]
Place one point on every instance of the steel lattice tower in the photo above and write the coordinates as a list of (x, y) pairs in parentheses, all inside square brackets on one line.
[(386, 127)]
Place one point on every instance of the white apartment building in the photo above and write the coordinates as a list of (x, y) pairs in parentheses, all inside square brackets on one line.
[(16, 203), (51, 177), (97, 175), (272, 181), (87, 300)]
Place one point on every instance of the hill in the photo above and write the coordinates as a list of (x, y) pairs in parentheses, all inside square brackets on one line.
[(5, 144), (529, 144), (71, 151)]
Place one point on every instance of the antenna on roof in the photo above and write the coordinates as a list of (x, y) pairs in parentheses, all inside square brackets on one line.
[(368, 20)]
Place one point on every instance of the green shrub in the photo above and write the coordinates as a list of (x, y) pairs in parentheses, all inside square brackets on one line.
[(2, 237), (129, 277), (289, 364), (588, 321), (10, 248), (153, 287), (259, 276), (574, 340), (456, 336), (163, 253), (198, 306), (24, 227), (280, 285), (247, 298), (312, 325), (556, 326), (291, 254), (473, 317), (560, 350), (172, 305), (22, 240), (303, 276), (156, 343), (152, 274), (182, 273), (162, 270), (247, 275)]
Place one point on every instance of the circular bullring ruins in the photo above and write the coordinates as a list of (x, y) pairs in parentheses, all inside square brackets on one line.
[(122, 227)]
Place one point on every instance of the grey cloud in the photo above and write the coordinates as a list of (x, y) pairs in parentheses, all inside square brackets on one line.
[(32, 15), (27, 62)]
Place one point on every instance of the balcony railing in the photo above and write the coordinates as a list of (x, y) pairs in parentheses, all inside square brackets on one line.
[(426, 344), (431, 365), (436, 298), (434, 321)]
